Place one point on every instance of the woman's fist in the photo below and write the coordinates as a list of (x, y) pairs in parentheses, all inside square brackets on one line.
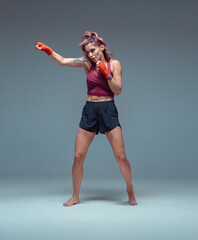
[(43, 47), (104, 70)]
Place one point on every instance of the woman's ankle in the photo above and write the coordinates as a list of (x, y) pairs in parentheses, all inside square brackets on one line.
[(130, 188), (75, 195)]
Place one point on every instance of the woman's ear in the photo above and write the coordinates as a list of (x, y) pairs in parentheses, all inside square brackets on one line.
[(102, 47)]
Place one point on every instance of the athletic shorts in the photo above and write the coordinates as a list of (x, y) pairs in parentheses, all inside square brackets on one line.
[(99, 117)]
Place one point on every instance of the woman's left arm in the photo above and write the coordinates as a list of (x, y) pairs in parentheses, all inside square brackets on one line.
[(115, 83)]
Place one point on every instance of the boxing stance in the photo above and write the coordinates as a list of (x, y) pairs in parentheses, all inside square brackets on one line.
[(99, 114)]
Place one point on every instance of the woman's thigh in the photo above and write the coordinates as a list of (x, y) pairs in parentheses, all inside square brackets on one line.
[(116, 140), (83, 140)]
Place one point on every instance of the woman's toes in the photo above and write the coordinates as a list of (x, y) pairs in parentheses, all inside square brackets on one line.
[(133, 203)]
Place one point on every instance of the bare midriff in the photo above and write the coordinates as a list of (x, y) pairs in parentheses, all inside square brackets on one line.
[(99, 98)]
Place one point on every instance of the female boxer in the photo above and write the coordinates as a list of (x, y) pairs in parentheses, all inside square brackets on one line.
[(99, 114)]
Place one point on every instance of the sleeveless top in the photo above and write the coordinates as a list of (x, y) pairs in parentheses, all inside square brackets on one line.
[(97, 84)]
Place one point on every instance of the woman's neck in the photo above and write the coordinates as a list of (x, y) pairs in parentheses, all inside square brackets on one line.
[(104, 60)]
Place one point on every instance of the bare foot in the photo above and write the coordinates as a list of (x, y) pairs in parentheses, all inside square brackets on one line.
[(131, 195), (71, 201)]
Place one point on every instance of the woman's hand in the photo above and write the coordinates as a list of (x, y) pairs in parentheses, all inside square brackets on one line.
[(103, 69), (44, 48)]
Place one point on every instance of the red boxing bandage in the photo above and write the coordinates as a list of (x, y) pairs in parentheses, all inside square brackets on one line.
[(44, 48), (104, 70)]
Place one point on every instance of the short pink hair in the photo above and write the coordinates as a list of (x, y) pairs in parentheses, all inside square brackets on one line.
[(92, 37)]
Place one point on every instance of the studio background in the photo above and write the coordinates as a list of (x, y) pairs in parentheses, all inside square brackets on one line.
[(41, 102)]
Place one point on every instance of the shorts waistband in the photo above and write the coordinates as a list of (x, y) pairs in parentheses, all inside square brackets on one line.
[(101, 102)]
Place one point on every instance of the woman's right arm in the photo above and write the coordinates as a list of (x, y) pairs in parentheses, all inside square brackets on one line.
[(68, 62), (57, 58)]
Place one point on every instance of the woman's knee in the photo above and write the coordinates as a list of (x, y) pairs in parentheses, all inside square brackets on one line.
[(79, 158), (121, 158)]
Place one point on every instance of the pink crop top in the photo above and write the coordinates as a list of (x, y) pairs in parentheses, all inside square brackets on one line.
[(97, 84)]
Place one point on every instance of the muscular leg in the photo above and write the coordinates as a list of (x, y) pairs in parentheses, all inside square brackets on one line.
[(116, 140), (83, 141)]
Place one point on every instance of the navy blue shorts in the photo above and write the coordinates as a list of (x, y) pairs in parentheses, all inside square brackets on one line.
[(99, 117)]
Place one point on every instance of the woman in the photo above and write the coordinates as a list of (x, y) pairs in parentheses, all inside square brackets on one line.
[(104, 79)]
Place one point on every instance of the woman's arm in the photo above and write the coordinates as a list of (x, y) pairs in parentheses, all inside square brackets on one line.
[(57, 58), (115, 81), (68, 62)]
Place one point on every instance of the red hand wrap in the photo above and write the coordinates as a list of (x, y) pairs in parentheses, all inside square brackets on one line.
[(104, 70), (44, 48)]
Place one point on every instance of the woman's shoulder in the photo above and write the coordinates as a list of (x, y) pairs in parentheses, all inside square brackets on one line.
[(115, 64), (114, 61), (87, 66)]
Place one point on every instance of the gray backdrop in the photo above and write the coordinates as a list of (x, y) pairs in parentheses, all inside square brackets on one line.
[(41, 102)]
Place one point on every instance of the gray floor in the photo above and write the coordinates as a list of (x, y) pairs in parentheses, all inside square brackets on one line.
[(31, 208)]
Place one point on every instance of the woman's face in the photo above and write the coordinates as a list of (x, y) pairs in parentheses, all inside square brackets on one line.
[(94, 52)]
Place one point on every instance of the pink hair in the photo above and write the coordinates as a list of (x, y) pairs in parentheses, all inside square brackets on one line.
[(92, 37)]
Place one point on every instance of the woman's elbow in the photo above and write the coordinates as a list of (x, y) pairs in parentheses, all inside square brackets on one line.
[(61, 62), (118, 91)]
